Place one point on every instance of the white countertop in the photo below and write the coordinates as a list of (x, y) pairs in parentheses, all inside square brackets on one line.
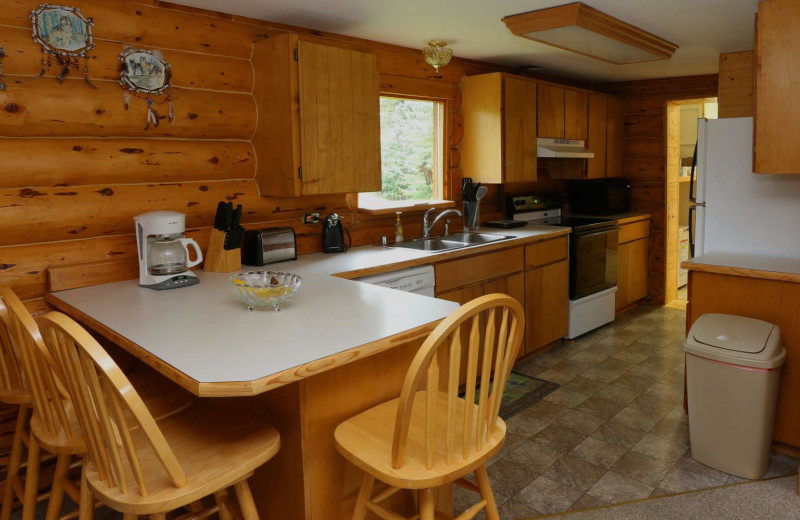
[(206, 333), (743, 262)]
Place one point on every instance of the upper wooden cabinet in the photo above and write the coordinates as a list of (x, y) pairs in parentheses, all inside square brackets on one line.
[(606, 116), (777, 125), (562, 113), (615, 137), (499, 143), (318, 117)]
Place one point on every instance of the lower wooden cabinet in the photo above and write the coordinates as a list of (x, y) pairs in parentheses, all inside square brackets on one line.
[(634, 257), (547, 309)]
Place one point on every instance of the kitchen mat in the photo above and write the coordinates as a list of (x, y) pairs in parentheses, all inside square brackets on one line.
[(521, 391)]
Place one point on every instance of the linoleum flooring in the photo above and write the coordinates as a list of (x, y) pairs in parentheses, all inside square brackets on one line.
[(615, 430)]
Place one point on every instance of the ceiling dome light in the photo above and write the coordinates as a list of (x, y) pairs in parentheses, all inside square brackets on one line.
[(437, 54)]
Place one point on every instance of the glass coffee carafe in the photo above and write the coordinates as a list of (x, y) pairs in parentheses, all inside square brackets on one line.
[(169, 255)]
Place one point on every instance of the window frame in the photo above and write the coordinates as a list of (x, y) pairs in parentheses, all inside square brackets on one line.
[(423, 90)]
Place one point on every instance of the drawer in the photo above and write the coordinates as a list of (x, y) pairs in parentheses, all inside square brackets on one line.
[(547, 252), (634, 231), (475, 269)]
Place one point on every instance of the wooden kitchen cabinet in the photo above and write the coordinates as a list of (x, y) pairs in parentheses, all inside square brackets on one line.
[(318, 117), (499, 143), (598, 116), (777, 78), (606, 116), (615, 136), (634, 258), (546, 293), (562, 112)]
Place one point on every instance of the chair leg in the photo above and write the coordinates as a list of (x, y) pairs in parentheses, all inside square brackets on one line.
[(485, 489), (221, 498), (31, 480), (86, 503), (14, 460), (426, 504), (57, 490), (246, 502), (364, 494)]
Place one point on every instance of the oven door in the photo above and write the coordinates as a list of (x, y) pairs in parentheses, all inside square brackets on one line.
[(593, 261)]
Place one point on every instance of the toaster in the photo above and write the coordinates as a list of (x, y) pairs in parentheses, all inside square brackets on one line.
[(269, 245)]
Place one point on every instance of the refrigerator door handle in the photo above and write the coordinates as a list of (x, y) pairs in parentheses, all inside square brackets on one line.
[(693, 176), (692, 209)]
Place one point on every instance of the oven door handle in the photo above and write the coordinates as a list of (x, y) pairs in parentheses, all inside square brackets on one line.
[(583, 234)]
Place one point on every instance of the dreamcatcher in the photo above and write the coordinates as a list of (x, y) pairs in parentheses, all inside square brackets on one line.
[(146, 74), (65, 35)]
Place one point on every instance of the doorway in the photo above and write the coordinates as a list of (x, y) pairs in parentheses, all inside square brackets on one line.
[(682, 119)]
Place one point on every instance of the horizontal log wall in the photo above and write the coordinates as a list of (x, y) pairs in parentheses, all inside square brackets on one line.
[(77, 165), (646, 161)]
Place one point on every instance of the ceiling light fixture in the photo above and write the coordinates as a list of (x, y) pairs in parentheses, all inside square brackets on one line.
[(579, 28), (437, 54)]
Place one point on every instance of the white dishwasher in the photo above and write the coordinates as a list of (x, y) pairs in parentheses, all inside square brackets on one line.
[(419, 280)]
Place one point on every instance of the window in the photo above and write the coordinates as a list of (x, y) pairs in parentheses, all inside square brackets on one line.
[(411, 154)]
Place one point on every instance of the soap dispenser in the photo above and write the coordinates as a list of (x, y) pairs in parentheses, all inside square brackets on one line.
[(398, 228)]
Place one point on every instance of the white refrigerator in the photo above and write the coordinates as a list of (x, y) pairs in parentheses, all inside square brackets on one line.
[(734, 210)]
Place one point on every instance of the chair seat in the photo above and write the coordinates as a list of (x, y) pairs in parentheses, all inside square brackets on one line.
[(215, 448), (366, 441), (60, 444), (14, 397)]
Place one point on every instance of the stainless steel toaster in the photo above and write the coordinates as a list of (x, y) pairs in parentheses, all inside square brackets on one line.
[(269, 245)]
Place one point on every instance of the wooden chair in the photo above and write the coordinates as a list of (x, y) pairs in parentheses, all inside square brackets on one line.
[(13, 391), (430, 437), (53, 425), (139, 467)]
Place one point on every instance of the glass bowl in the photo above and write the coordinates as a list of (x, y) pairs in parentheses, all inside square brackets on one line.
[(264, 288)]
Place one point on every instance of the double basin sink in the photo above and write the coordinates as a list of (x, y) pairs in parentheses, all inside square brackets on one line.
[(454, 241)]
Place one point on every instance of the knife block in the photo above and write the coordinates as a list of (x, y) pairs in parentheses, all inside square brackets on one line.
[(218, 260)]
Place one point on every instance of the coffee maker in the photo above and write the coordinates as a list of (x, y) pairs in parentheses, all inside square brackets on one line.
[(163, 251)]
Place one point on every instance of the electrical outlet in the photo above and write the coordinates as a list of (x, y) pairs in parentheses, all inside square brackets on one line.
[(311, 218)]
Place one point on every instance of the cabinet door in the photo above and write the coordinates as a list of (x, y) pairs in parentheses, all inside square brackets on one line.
[(777, 127), (632, 274), (519, 130), (596, 168), (547, 310), (615, 138), (513, 286), (550, 111), (339, 119), (576, 109)]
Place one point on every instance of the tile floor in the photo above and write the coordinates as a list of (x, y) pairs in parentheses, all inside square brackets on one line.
[(615, 431)]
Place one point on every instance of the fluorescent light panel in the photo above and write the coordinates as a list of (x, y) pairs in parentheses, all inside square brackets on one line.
[(579, 28)]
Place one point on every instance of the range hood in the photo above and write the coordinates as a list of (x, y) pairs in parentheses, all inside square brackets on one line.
[(563, 149)]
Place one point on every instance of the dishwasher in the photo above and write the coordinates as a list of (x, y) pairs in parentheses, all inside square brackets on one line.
[(418, 280)]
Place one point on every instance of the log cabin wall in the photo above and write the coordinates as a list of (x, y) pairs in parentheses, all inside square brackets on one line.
[(77, 166), (653, 190)]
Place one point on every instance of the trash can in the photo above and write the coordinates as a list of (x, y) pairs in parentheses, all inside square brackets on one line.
[(733, 367)]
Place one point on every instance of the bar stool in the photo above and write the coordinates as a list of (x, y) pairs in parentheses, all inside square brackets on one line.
[(138, 467), (430, 437), (13, 391), (53, 425)]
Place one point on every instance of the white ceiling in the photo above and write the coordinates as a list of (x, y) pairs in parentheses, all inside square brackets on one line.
[(701, 28)]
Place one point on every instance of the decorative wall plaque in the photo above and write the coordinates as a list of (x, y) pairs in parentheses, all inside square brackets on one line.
[(64, 34), (146, 74)]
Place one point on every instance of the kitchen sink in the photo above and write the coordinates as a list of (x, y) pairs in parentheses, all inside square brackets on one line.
[(455, 241)]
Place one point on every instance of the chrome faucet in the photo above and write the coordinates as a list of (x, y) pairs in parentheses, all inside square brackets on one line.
[(426, 229)]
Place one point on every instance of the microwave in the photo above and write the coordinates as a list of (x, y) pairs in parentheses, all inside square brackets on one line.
[(600, 196)]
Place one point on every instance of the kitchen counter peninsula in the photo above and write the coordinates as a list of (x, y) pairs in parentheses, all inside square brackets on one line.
[(761, 287), (338, 348)]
